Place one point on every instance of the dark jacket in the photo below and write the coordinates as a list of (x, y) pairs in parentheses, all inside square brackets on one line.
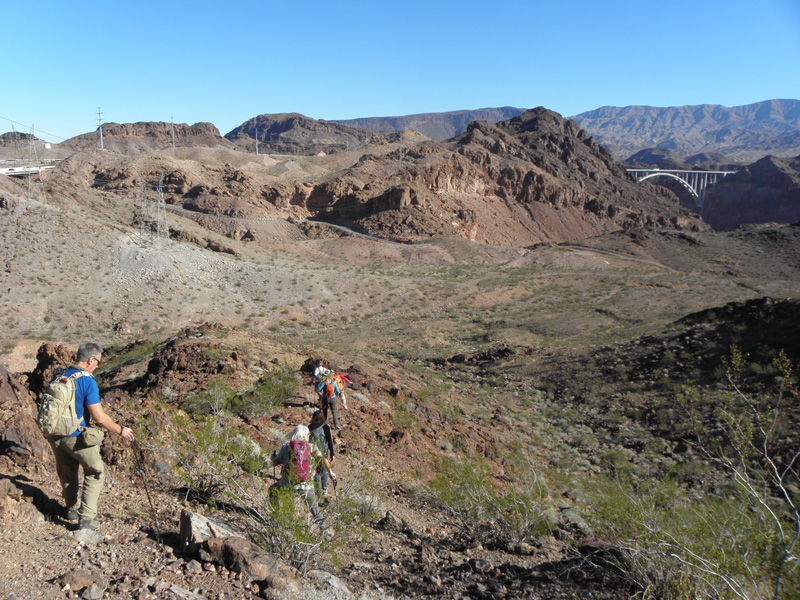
[(321, 433)]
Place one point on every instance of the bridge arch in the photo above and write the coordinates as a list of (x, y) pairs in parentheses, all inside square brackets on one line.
[(690, 189), (696, 182)]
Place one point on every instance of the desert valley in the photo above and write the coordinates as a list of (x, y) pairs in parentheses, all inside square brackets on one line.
[(563, 383)]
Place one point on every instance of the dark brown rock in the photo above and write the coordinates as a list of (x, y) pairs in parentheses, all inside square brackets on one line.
[(767, 191), (21, 442)]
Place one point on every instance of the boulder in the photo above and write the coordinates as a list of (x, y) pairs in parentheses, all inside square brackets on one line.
[(196, 529), (21, 442)]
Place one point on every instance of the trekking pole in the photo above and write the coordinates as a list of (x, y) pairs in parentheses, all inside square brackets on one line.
[(147, 491)]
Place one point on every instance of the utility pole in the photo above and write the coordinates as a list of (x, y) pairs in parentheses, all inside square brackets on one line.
[(172, 122), (100, 126)]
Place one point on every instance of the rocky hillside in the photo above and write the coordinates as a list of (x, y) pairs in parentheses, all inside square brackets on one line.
[(766, 191), (144, 137), (294, 133), (609, 410), (535, 178), (741, 133), (437, 126)]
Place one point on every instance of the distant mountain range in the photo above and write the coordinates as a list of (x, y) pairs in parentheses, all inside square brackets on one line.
[(437, 126), (740, 134)]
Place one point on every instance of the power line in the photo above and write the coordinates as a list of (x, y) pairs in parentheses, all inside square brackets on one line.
[(27, 125)]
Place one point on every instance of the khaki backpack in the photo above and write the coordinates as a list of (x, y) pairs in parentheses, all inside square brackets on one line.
[(57, 416)]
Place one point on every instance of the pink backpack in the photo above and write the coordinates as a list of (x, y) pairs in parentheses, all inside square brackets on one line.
[(300, 460)]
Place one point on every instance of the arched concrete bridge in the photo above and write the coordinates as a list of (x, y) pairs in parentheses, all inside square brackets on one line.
[(697, 182)]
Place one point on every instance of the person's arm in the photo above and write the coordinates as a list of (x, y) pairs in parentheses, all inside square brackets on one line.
[(328, 468), (101, 417)]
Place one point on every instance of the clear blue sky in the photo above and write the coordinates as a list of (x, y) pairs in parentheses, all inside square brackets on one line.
[(226, 62)]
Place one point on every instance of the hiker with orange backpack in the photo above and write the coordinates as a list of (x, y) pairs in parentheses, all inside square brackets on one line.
[(298, 458), (340, 381), (329, 393)]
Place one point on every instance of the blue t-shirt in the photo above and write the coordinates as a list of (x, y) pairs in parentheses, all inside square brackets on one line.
[(86, 393), (321, 386)]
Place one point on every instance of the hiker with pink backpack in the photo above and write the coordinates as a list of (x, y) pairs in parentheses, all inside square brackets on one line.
[(298, 459)]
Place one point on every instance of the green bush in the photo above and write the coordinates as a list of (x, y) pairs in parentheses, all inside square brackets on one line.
[(221, 466), (484, 511), (272, 390), (676, 547), (741, 542)]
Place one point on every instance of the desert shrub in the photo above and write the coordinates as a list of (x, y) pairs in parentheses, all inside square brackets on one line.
[(215, 399), (271, 391), (484, 511), (674, 547), (221, 466), (741, 542), (249, 455), (274, 389), (116, 358)]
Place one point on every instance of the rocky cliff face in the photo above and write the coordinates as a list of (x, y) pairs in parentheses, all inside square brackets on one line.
[(142, 137), (764, 192), (535, 178)]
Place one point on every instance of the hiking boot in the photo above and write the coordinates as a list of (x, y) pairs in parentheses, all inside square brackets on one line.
[(72, 515), (92, 525)]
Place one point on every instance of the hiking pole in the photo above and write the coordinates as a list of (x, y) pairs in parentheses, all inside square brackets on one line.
[(147, 491)]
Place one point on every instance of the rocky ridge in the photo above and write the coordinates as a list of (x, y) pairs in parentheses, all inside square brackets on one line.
[(534, 178), (178, 553), (294, 133), (144, 137)]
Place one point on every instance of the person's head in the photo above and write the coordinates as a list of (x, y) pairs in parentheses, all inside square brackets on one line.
[(90, 353), (317, 417), (299, 434)]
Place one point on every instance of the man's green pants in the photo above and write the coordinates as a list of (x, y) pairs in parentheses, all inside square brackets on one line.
[(72, 453)]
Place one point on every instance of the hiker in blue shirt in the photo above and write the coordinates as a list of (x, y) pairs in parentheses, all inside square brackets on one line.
[(329, 393), (72, 452)]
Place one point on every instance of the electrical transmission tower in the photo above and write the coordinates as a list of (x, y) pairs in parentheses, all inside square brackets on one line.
[(153, 217), (27, 157)]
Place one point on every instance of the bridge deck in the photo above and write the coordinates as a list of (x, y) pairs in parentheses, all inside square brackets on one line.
[(21, 171)]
